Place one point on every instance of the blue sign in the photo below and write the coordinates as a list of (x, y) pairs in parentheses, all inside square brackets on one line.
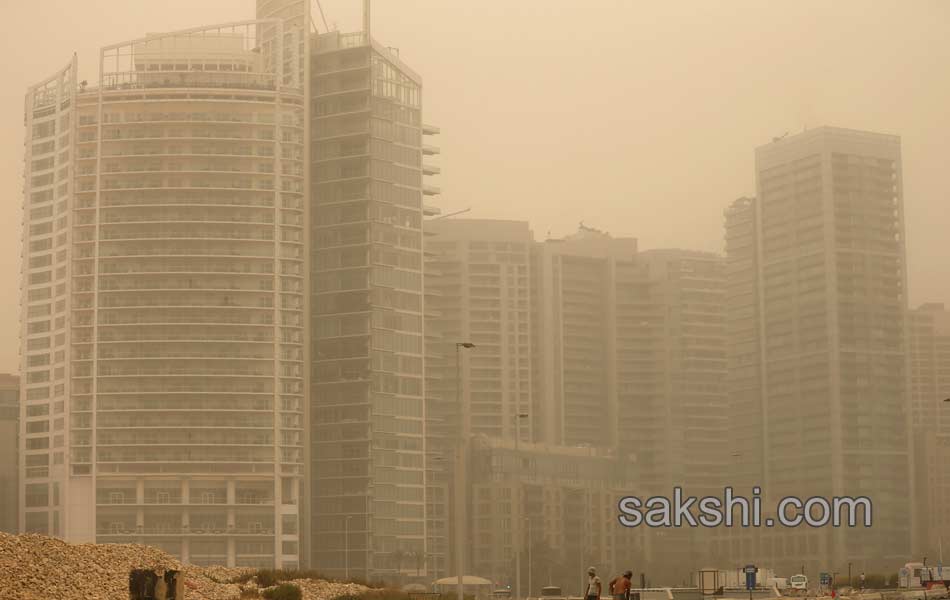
[(750, 571), (824, 578)]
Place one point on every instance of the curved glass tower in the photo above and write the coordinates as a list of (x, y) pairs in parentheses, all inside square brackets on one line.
[(164, 282)]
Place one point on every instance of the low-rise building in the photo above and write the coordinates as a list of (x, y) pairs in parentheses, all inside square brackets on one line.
[(557, 506)]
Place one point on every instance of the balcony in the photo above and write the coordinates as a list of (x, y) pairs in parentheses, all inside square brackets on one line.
[(177, 531), (135, 80)]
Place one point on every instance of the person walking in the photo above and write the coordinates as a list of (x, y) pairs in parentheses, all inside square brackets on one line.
[(620, 586), (594, 586)]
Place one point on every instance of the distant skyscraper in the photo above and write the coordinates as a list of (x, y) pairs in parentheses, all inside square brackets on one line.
[(163, 294), (574, 328), (477, 290), (9, 453), (481, 276), (745, 436), (929, 330), (630, 353), (691, 420), (678, 432), (743, 379), (830, 286)]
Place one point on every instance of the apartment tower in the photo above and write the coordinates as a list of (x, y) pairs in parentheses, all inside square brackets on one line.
[(688, 288), (743, 380), (745, 463), (482, 279), (574, 320), (163, 294), (831, 285), (477, 284)]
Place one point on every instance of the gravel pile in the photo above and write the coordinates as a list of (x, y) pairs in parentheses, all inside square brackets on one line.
[(315, 589), (36, 567)]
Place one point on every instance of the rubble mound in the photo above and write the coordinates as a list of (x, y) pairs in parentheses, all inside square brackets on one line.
[(36, 567), (39, 567)]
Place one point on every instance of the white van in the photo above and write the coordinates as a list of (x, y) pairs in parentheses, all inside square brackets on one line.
[(798, 582)]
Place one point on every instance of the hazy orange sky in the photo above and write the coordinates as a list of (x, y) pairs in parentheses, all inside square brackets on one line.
[(636, 117)]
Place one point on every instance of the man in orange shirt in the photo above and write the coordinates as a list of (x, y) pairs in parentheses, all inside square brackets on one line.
[(620, 586)]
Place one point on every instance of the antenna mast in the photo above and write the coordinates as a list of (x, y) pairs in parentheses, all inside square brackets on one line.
[(366, 22), (323, 17)]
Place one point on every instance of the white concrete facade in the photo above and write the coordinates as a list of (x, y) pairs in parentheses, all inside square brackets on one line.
[(163, 338)]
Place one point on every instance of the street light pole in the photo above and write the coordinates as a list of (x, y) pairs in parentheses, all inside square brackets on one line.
[(460, 469), (346, 548), (527, 521), (520, 504)]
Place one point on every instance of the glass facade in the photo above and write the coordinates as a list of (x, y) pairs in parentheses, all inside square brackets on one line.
[(367, 390)]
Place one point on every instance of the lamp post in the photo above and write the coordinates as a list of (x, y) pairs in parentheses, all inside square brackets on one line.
[(520, 501), (346, 548), (527, 521), (460, 469)]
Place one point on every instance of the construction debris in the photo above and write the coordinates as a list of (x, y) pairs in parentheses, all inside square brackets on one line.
[(36, 567)]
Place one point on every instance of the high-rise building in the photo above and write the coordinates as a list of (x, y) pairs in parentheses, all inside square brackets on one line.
[(231, 217), (830, 290), (481, 277), (163, 294), (622, 351), (574, 337), (745, 440), (929, 346), (367, 378), (688, 289), (675, 416), (9, 453), (477, 290), (743, 379), (630, 353)]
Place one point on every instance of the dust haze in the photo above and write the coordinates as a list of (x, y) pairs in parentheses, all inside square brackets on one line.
[(440, 298), (646, 111)]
